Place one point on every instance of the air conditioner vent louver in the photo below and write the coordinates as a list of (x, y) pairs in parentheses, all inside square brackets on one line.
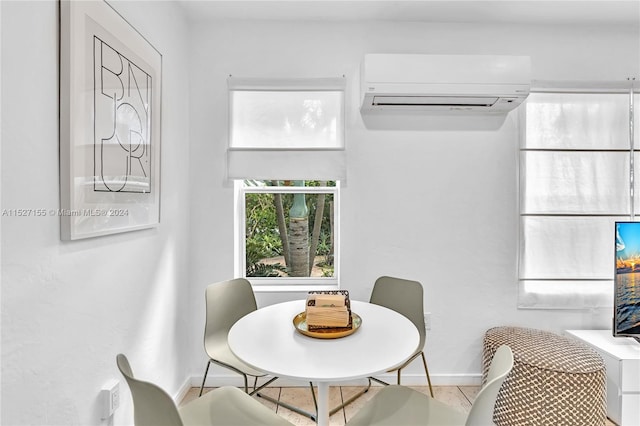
[(434, 101)]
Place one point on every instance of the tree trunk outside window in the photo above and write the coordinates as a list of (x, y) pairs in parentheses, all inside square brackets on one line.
[(299, 235)]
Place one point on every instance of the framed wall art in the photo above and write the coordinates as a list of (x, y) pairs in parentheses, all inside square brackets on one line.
[(110, 112)]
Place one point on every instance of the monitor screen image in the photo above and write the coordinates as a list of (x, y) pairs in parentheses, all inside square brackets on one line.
[(626, 320)]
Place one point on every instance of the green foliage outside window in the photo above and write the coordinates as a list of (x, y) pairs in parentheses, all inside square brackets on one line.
[(267, 251)]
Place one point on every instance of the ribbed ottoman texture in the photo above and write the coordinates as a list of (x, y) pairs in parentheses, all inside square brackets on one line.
[(555, 380)]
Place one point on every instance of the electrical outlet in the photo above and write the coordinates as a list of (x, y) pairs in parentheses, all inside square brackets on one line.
[(115, 398), (427, 320), (110, 398)]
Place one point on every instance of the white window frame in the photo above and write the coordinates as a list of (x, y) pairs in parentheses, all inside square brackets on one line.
[(261, 284)]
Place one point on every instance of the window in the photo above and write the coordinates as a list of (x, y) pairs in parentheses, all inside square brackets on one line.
[(286, 156), (576, 180), (290, 232)]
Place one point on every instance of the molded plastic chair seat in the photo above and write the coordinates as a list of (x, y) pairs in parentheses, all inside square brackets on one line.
[(223, 354), (226, 406), (401, 406)]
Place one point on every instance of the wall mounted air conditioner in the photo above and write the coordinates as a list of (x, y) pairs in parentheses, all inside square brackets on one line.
[(410, 83)]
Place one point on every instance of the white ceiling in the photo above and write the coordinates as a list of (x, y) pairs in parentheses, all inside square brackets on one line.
[(566, 12)]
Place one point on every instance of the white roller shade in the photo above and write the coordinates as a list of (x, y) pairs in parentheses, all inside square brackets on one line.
[(264, 164), (290, 129)]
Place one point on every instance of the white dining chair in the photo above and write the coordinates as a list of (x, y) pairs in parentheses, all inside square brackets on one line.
[(227, 302), (225, 406), (405, 297), (401, 406)]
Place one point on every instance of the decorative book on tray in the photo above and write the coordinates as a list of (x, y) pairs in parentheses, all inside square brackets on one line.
[(328, 310)]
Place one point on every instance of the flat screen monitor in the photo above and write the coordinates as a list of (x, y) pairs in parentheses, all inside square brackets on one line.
[(626, 306)]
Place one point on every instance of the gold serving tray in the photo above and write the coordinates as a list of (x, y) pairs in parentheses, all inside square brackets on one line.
[(300, 323)]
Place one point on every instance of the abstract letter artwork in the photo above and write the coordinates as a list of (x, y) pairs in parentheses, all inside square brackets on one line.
[(122, 95)]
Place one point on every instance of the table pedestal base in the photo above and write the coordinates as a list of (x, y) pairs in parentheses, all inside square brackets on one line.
[(323, 404)]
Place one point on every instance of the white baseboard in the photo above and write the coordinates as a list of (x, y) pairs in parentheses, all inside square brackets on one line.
[(217, 380), (182, 392)]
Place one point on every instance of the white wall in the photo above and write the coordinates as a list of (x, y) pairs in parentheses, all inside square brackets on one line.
[(439, 207), (69, 307)]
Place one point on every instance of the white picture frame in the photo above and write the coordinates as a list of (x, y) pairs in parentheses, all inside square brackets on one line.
[(110, 112)]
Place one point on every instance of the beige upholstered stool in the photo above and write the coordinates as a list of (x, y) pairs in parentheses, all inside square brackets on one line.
[(555, 380)]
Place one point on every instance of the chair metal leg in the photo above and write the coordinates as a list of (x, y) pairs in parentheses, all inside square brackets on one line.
[(315, 401), (290, 407), (399, 371), (245, 376), (246, 383), (204, 378), (313, 394), (426, 370), (256, 390), (382, 382), (350, 400), (264, 385)]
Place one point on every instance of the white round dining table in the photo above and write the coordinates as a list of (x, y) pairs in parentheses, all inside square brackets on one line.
[(267, 340)]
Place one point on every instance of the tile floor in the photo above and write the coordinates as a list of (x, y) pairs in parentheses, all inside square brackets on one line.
[(459, 397)]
